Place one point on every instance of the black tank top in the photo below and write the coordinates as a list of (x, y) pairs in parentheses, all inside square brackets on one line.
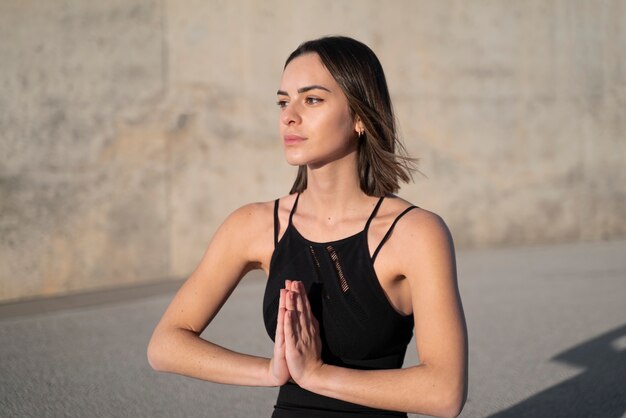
[(359, 328)]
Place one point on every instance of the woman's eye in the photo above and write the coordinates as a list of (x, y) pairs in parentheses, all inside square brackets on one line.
[(313, 100), (282, 103)]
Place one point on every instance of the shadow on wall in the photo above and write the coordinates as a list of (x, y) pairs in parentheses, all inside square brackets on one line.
[(599, 391)]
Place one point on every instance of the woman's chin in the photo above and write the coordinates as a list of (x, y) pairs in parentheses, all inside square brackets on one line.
[(295, 160)]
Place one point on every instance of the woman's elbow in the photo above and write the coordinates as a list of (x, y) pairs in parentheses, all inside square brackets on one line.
[(452, 401), (446, 401), (156, 353), (452, 409), (444, 408)]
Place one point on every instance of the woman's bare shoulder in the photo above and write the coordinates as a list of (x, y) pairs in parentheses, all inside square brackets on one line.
[(256, 219), (416, 219), (419, 229), (249, 232), (425, 249), (425, 221), (261, 209), (251, 212)]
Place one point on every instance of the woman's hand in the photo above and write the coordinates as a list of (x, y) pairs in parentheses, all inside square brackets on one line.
[(279, 371), (303, 345)]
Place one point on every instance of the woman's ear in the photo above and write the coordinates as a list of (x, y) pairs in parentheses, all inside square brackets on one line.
[(359, 127)]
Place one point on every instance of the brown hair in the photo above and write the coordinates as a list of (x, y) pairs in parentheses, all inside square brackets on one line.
[(382, 160)]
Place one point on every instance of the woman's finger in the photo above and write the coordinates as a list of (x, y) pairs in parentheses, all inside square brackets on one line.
[(291, 334), (307, 305), (304, 312), (288, 303), (301, 292), (279, 338)]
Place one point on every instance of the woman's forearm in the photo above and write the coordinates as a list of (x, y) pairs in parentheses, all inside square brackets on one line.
[(419, 389), (183, 352)]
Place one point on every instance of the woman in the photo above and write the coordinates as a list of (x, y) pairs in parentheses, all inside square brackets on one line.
[(352, 269)]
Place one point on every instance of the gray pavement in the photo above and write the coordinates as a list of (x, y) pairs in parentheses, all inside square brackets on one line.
[(547, 329)]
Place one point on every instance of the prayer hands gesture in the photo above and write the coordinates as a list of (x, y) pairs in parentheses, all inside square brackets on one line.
[(297, 344)]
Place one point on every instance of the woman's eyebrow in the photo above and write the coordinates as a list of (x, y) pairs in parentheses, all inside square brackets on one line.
[(303, 90)]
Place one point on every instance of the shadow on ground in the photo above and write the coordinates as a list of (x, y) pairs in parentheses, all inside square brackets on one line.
[(598, 391)]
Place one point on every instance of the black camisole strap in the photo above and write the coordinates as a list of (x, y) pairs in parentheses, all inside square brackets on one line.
[(374, 212), (293, 209), (276, 221), (276, 226), (388, 234)]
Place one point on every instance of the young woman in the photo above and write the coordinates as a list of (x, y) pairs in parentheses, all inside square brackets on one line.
[(352, 269)]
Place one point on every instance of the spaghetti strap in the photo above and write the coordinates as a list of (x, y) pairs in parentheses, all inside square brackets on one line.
[(386, 237), (276, 226), (293, 209), (374, 212)]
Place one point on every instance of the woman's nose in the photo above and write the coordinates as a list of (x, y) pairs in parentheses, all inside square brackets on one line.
[(290, 114)]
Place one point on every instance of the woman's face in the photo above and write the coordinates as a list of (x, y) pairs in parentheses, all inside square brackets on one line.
[(315, 120)]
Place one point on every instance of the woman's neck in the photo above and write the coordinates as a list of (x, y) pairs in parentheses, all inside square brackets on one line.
[(333, 190)]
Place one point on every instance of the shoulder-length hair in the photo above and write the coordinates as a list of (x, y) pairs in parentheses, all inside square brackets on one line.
[(382, 159)]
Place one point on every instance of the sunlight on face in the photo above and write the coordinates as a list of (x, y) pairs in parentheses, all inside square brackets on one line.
[(315, 121)]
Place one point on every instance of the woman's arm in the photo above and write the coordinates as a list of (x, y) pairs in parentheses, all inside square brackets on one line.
[(423, 248), (242, 243)]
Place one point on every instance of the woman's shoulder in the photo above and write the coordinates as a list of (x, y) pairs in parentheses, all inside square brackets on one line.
[(251, 213), (249, 231), (417, 225), (258, 214), (421, 243)]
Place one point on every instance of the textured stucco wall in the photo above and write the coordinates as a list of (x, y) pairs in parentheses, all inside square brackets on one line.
[(129, 129)]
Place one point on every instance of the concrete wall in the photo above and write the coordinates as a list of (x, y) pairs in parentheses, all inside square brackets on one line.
[(130, 128)]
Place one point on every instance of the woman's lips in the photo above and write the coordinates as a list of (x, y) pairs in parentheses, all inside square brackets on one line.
[(293, 139)]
